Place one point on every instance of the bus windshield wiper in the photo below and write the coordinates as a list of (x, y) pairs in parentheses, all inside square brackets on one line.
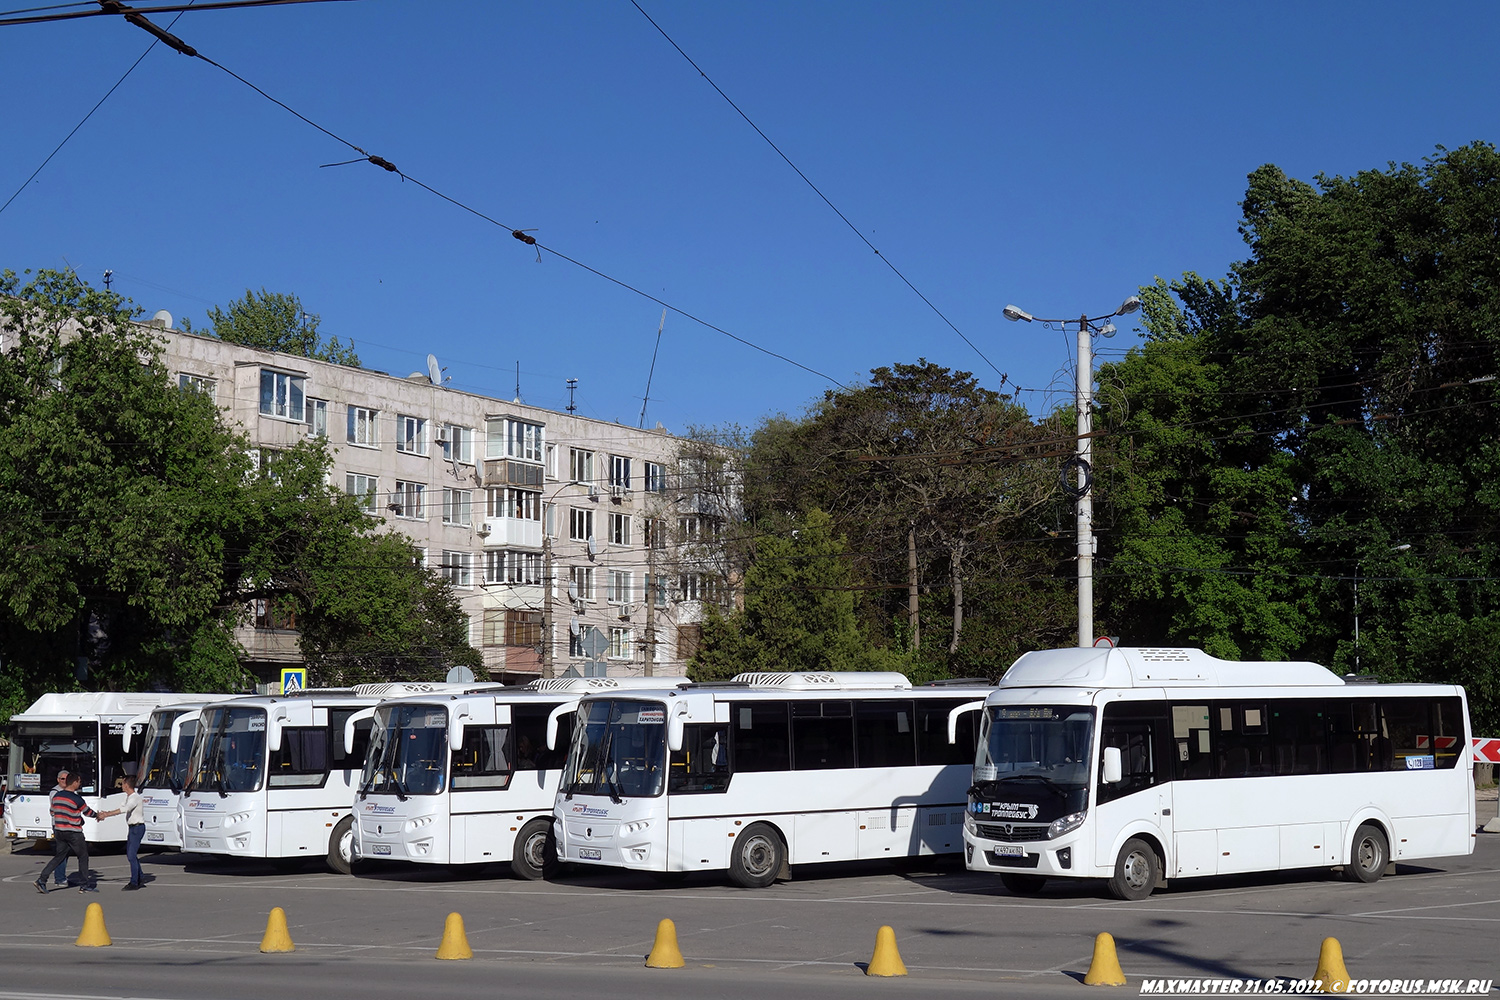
[(1037, 777), (399, 786), (613, 788)]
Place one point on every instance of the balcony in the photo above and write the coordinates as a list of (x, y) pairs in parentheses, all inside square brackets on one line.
[(511, 532)]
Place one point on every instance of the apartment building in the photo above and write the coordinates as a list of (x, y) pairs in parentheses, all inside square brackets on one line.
[(563, 536)]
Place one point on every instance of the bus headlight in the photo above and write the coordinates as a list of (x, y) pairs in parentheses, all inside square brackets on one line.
[(1067, 824), (970, 824), (635, 827)]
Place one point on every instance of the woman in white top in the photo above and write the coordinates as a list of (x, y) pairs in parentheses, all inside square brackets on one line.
[(134, 811)]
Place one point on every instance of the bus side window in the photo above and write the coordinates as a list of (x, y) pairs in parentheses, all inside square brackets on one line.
[(1448, 732), (530, 725), (932, 733), (302, 761), (761, 737), (483, 761), (1191, 741)]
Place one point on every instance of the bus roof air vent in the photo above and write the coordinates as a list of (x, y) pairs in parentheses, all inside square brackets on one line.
[(808, 680)]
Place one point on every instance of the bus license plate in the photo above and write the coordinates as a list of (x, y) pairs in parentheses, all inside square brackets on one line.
[(1009, 851), (384, 849), (38, 834), (156, 838), (590, 854), (200, 843)]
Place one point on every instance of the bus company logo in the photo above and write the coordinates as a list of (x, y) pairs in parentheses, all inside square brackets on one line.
[(202, 806), (1013, 810), (374, 809), (586, 811), (154, 801)]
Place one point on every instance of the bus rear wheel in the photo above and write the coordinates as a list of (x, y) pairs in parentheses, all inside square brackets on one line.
[(1137, 870), (535, 854), (757, 856), (1368, 856), (341, 852), (1023, 885)]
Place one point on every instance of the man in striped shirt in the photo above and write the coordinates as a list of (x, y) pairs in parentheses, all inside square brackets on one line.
[(68, 811), (60, 875)]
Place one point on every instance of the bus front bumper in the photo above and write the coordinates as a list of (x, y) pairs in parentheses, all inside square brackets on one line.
[(1060, 857)]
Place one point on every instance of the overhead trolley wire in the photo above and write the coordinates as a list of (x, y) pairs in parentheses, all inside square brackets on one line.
[(111, 7), (852, 227), (134, 18)]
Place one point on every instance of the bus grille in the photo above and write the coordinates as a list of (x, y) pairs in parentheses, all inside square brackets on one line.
[(1017, 834)]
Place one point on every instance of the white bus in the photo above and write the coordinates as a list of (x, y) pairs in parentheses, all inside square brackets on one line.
[(161, 765), (1139, 765), (274, 777), (767, 771), (471, 777), (85, 733)]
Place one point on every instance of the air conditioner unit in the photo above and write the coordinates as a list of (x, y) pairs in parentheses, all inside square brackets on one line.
[(618, 493), (593, 492), (442, 435)]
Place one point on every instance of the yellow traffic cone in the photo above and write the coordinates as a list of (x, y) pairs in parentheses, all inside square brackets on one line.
[(1331, 974), (664, 951), (887, 960), (1104, 970), (455, 944), (277, 938), (94, 935)]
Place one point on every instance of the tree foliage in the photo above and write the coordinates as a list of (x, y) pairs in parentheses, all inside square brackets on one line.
[(1321, 427), (138, 528), (276, 321)]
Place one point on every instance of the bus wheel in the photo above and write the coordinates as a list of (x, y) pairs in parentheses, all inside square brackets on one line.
[(1368, 856), (1023, 885), (756, 857), (536, 850), (341, 857), (1137, 870)]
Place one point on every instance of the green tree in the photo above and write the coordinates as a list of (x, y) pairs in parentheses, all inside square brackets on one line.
[(275, 321), (798, 613), (138, 529)]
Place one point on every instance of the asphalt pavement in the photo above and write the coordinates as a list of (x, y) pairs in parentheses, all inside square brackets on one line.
[(195, 931)]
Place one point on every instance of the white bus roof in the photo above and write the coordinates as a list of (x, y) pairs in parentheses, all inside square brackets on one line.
[(810, 680), (1157, 667), (589, 685), (94, 704)]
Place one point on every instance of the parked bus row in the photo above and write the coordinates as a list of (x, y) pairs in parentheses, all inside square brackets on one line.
[(1135, 766)]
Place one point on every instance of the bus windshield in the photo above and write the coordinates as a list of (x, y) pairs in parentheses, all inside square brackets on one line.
[(38, 750), (619, 749), (408, 751), (1049, 742), (230, 756), (161, 765)]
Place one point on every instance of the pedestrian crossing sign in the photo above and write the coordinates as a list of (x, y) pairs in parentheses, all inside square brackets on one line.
[(293, 680)]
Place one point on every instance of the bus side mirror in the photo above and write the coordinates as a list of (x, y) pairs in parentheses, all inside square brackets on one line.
[(675, 728), (557, 713), (278, 718), (456, 735), (972, 706), (1114, 772)]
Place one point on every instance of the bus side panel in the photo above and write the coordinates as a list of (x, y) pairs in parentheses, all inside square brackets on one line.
[(1433, 814), (825, 836), (887, 832), (698, 845)]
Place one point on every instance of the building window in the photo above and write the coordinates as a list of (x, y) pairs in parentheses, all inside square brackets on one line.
[(361, 427), (699, 587), (575, 645), (659, 584), (407, 500), (198, 383), (687, 529), (619, 643), (455, 568), (456, 506), (656, 478), (419, 559), (363, 488), (411, 434), (281, 394), (513, 567), (524, 505), (580, 524), (583, 582), (552, 461), (458, 443), (523, 628), (654, 533), (317, 417), (509, 438), (619, 472), (580, 465), (619, 586), (619, 529), (274, 616)]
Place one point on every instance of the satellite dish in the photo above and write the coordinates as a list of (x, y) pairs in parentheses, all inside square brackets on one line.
[(460, 675), (162, 319), (593, 547), (572, 590), (434, 373), (574, 627)]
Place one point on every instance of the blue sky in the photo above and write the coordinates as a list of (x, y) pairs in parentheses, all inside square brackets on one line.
[(1052, 155)]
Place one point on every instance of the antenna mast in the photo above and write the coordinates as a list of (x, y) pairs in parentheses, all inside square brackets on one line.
[(647, 398), (572, 388)]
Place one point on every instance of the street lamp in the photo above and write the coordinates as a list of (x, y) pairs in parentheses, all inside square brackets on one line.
[(1394, 548), (1084, 503)]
